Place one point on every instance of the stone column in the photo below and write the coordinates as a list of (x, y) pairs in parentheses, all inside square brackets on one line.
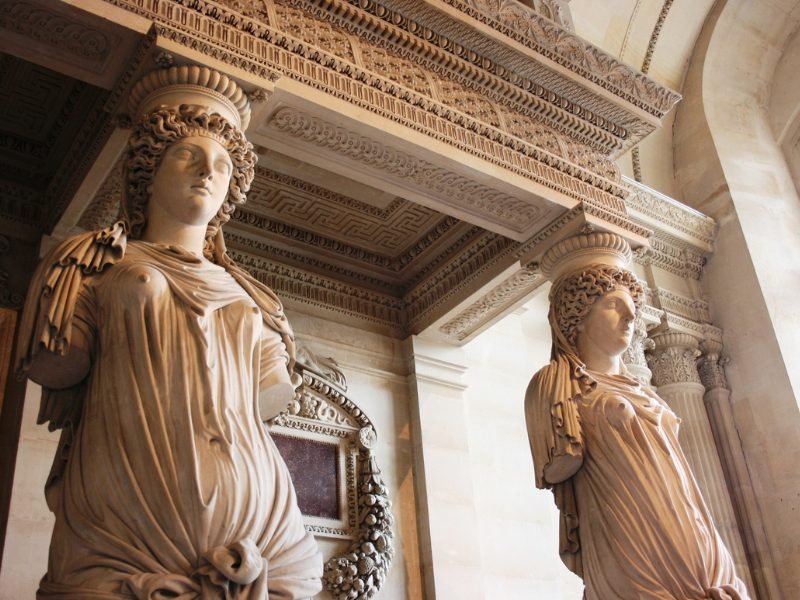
[(674, 364), (634, 357), (446, 513), (743, 497)]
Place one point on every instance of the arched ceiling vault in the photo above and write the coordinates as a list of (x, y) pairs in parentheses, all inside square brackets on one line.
[(657, 37)]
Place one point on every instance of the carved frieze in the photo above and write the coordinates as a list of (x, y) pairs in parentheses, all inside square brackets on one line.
[(380, 59), (688, 308), (510, 291), (548, 39), (682, 238), (57, 31), (644, 202)]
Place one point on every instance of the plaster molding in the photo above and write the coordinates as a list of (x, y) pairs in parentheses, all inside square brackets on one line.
[(571, 51), (675, 304), (57, 31), (449, 281), (651, 315), (664, 213), (491, 305), (311, 289), (462, 55), (451, 188), (673, 256), (316, 64)]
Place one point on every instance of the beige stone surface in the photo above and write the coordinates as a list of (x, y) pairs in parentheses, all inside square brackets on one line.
[(31, 523), (165, 480), (633, 521)]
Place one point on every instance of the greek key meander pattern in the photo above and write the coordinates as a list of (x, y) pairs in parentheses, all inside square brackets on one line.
[(406, 36), (454, 189)]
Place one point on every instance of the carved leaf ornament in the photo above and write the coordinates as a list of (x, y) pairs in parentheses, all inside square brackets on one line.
[(321, 408)]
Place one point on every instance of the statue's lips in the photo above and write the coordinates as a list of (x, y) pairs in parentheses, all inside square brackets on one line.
[(201, 188)]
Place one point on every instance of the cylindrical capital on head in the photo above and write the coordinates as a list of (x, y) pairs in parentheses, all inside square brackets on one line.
[(581, 251), (191, 84)]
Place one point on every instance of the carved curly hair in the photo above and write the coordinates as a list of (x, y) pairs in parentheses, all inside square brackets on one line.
[(572, 298), (158, 131)]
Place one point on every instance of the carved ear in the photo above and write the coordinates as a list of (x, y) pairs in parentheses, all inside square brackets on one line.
[(579, 328)]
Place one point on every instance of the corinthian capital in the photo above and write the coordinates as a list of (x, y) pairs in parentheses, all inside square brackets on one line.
[(711, 366), (674, 359)]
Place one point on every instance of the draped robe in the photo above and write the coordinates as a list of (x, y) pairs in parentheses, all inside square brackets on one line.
[(633, 522), (171, 486)]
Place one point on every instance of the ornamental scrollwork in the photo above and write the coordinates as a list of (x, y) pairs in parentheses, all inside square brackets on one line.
[(321, 408)]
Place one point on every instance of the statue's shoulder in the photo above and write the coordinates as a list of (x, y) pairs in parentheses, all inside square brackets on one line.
[(56, 285), (90, 252), (541, 381)]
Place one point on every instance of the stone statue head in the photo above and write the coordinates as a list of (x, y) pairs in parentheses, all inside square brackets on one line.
[(572, 298), (155, 133)]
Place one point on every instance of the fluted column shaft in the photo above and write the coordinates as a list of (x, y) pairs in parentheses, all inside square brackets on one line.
[(748, 514), (674, 366)]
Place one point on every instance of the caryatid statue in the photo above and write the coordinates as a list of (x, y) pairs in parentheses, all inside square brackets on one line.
[(633, 523), (159, 359)]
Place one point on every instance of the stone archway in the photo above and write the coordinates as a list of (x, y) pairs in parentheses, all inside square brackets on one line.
[(730, 165)]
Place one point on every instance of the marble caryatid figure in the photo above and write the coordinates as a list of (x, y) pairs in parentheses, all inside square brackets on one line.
[(159, 358), (633, 523)]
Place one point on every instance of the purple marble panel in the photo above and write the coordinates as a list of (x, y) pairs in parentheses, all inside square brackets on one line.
[(314, 467)]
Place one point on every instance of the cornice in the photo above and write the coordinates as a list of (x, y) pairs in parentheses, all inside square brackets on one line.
[(688, 308), (249, 242), (569, 50), (304, 287), (281, 54), (493, 304), (411, 37), (670, 255), (669, 217)]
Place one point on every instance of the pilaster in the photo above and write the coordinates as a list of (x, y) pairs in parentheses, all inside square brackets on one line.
[(673, 361), (446, 510), (743, 497)]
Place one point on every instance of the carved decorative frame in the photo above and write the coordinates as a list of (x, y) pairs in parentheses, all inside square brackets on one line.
[(322, 412)]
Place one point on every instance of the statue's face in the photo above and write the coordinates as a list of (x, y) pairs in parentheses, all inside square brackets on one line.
[(192, 181), (608, 328)]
